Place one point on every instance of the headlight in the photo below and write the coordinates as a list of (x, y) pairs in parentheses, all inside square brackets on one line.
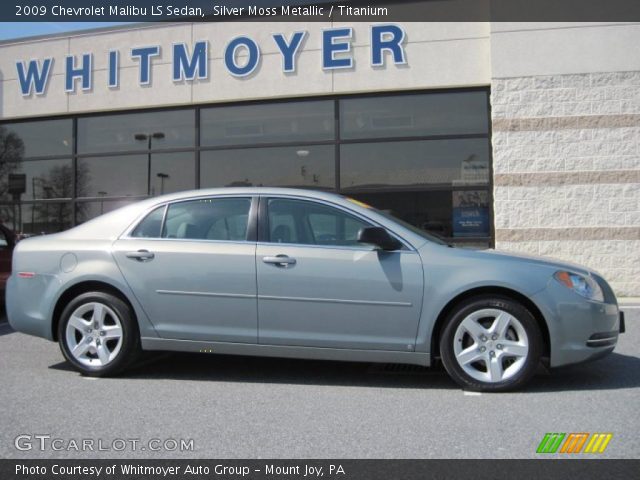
[(584, 286)]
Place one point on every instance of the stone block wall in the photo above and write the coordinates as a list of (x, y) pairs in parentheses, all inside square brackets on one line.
[(566, 159)]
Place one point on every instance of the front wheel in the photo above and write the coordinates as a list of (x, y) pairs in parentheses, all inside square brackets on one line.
[(491, 344), (98, 334)]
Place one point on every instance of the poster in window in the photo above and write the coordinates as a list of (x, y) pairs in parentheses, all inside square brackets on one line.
[(470, 213)]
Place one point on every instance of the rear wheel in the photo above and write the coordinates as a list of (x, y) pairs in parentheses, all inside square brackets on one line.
[(491, 344), (98, 335)]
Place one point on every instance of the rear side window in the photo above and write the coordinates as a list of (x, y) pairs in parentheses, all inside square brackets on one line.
[(151, 225), (208, 219)]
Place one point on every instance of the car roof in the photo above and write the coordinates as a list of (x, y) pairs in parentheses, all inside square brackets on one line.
[(248, 191), (111, 225)]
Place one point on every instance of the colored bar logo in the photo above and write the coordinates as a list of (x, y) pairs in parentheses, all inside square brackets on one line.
[(573, 442)]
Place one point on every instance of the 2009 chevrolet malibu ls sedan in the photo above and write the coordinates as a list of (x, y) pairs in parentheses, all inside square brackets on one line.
[(295, 273)]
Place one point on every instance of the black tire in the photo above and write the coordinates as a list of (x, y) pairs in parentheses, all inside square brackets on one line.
[(514, 308), (130, 347)]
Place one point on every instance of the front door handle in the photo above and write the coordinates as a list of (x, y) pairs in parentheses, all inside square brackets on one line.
[(279, 260), (140, 255)]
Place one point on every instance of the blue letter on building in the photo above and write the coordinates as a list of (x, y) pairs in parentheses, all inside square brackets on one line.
[(329, 48), (184, 67), (114, 65), (145, 54), (252, 60), (84, 72), (387, 38), (289, 50), (34, 78)]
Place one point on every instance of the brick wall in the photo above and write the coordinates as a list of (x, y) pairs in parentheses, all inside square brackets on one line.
[(566, 153)]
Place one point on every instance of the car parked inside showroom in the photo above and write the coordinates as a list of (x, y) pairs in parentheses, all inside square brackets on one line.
[(302, 274)]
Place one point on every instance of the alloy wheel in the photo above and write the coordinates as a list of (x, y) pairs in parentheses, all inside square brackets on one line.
[(94, 334), (491, 345)]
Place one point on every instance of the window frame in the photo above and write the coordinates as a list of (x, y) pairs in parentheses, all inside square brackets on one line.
[(251, 219)]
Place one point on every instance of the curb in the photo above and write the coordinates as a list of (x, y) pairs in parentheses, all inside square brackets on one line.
[(629, 302)]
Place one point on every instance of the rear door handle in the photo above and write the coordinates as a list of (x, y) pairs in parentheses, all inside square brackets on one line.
[(279, 260), (140, 255)]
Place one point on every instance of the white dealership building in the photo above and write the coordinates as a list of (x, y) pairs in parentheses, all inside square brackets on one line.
[(522, 136)]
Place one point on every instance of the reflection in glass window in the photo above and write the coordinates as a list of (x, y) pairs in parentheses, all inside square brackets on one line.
[(309, 121), (36, 139), (87, 210), (311, 223), (440, 184), (45, 179), (433, 211), (136, 131), (37, 218), (172, 172), (424, 163), (308, 166), (118, 176), (208, 219), (452, 113)]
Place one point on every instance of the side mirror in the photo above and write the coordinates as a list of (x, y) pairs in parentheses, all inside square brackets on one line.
[(379, 237)]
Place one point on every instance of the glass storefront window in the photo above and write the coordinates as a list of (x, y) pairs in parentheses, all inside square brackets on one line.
[(455, 216), (103, 176), (36, 139), (454, 113), (45, 179), (425, 155), (37, 218), (415, 164), (117, 176), (304, 167), (309, 121), (172, 172), (136, 131), (87, 210)]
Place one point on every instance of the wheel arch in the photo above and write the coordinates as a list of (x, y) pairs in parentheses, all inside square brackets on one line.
[(84, 287), (484, 291)]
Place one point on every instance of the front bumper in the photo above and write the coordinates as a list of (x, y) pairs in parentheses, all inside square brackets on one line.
[(579, 329)]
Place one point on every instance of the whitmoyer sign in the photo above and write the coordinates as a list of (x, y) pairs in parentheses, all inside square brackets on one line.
[(191, 62)]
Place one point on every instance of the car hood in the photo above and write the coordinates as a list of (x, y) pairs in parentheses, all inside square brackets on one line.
[(532, 259)]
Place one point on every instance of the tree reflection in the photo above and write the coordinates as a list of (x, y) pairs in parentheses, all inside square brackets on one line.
[(57, 182), (11, 154)]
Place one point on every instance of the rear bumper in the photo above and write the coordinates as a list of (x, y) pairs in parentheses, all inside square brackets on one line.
[(580, 330), (27, 303)]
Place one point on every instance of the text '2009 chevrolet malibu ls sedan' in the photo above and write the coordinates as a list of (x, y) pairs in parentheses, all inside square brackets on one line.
[(301, 274)]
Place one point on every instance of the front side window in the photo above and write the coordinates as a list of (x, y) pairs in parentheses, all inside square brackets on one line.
[(310, 223), (208, 219)]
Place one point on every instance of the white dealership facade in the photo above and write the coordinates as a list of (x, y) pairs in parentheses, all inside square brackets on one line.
[(522, 136)]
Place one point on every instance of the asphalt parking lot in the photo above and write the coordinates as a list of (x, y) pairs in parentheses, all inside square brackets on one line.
[(237, 407)]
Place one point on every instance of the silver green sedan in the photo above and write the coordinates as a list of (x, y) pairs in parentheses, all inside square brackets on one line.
[(302, 274)]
